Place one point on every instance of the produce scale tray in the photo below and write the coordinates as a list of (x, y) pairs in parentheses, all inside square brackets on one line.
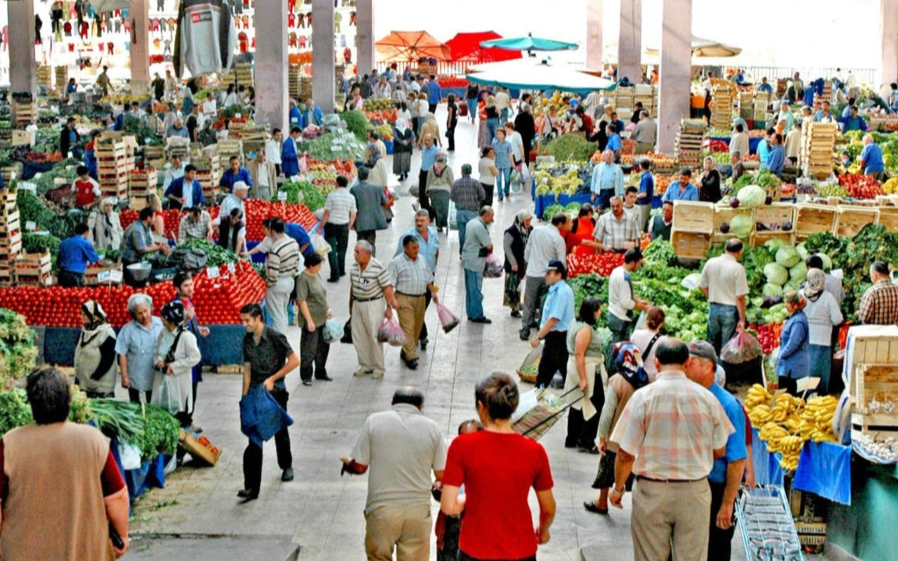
[(765, 522)]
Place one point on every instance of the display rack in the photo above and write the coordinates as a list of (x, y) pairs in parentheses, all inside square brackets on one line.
[(817, 143), (689, 141), (765, 521)]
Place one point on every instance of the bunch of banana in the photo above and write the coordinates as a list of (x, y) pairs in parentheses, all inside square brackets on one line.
[(773, 435), (757, 395), (760, 415), (784, 405), (819, 413), (790, 462)]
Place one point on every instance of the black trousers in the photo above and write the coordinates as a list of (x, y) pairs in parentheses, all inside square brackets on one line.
[(134, 395), (450, 138), (527, 146), (488, 191), (427, 299), (720, 541), (252, 456), (313, 352), (68, 279), (581, 432), (554, 358), (337, 235), (423, 199)]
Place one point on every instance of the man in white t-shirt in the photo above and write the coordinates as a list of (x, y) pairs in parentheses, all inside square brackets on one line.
[(503, 104), (517, 143), (724, 284), (273, 149)]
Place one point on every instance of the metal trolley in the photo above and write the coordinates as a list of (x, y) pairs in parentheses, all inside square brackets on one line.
[(765, 520)]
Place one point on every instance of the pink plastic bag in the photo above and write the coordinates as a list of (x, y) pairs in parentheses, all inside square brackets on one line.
[(447, 319), (390, 332), (494, 267), (743, 347)]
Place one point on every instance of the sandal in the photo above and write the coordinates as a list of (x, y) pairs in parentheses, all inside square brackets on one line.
[(591, 507)]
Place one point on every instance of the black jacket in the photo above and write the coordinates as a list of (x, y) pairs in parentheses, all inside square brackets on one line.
[(64, 142)]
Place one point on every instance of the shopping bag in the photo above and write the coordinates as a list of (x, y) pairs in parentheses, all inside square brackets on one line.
[(515, 180), (347, 332), (743, 347), (333, 331), (447, 319), (493, 268), (526, 176), (168, 398), (391, 332), (320, 244)]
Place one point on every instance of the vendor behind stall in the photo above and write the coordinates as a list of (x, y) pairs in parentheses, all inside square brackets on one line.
[(185, 192), (69, 140), (75, 254), (138, 241)]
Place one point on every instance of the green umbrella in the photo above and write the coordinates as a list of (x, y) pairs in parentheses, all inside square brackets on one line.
[(529, 43)]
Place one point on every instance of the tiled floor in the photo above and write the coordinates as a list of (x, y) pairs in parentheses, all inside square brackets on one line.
[(321, 510)]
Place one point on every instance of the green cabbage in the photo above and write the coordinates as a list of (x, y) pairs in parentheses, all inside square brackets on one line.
[(741, 226), (776, 274), (751, 196), (788, 257), (799, 272), (802, 251), (792, 286), (827, 262), (772, 290), (774, 244)]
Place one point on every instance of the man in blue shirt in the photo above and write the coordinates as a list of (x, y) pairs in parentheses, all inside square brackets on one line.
[(558, 313), (614, 143), (871, 158), (764, 146), (853, 122), (607, 180), (646, 192), (764, 86), (75, 254), (313, 114), (428, 158), (234, 174), (726, 475), (825, 114), (682, 189), (119, 123), (777, 157), (302, 238), (434, 93), (185, 192), (295, 115)]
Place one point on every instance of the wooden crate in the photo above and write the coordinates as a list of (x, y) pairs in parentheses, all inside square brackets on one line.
[(814, 219), (691, 216), (10, 222), (760, 238), (725, 214), (690, 245), (776, 213), (91, 274), (888, 217), (141, 182), (871, 362), (850, 220), (33, 264)]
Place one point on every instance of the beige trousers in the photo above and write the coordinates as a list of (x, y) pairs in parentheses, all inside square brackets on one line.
[(405, 527), (411, 319), (366, 320), (670, 513)]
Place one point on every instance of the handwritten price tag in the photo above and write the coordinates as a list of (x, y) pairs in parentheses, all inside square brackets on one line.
[(232, 268), (213, 272), (30, 225), (282, 195)]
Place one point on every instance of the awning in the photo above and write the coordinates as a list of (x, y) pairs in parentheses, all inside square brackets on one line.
[(529, 43), (466, 47), (530, 74), (410, 46)]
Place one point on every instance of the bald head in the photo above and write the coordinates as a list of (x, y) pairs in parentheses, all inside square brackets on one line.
[(410, 395)]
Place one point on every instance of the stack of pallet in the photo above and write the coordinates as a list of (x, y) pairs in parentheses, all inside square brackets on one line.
[(241, 75), (294, 77), (254, 138), (624, 98), (689, 142), (817, 142), (33, 269), (228, 148), (10, 235), (26, 113), (827, 92), (208, 172), (62, 77), (722, 113), (746, 105), (113, 165), (141, 182), (11, 172), (44, 76), (647, 96)]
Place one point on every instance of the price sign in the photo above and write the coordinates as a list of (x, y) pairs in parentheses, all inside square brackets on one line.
[(30, 225), (282, 195), (103, 276), (115, 276), (213, 272), (238, 116)]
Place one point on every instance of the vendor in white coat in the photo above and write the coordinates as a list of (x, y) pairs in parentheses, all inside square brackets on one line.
[(176, 355)]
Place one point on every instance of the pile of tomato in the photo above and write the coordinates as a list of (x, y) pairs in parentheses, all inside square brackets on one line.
[(719, 145), (860, 186), (599, 263), (768, 336), (218, 300)]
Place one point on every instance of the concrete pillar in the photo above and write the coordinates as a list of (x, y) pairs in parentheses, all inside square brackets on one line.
[(594, 34), (629, 49), (272, 76), (888, 68), (22, 69), (675, 70), (323, 60), (364, 38), (140, 46)]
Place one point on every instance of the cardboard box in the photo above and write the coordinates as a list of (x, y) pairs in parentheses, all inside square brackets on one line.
[(200, 448)]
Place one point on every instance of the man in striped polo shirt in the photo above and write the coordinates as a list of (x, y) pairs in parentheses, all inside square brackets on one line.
[(370, 292), (339, 216), (280, 271)]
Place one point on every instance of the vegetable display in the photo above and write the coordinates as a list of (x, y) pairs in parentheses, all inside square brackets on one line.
[(14, 410), (571, 147), (301, 192), (17, 350), (356, 123)]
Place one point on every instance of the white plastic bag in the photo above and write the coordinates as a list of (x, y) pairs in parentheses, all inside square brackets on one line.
[(333, 331), (526, 176), (319, 243), (130, 456), (527, 401), (168, 398)]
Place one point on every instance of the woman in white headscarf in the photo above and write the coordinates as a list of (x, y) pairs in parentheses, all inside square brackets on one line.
[(403, 145), (823, 314), (95, 357), (105, 226)]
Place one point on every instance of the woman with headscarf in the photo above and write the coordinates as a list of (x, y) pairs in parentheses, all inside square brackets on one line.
[(823, 314), (526, 127), (105, 226), (795, 356), (176, 355), (431, 127), (620, 388), (514, 242), (403, 145), (439, 183), (95, 366), (380, 176), (232, 232)]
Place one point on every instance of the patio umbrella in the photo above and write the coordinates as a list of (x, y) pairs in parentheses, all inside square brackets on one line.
[(466, 47), (529, 43), (529, 74), (408, 46), (707, 48)]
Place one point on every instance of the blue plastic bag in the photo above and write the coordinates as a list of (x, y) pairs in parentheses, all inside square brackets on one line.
[(333, 331), (261, 417)]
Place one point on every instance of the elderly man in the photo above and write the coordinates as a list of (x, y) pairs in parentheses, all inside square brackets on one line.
[(383, 90), (468, 195), (879, 304), (682, 189), (138, 241), (615, 231), (370, 200), (738, 168), (402, 448), (174, 169), (660, 225), (473, 258), (263, 175), (371, 290), (558, 313), (232, 201), (622, 299), (177, 130), (281, 267), (428, 158), (669, 434), (645, 134), (870, 159), (233, 174), (726, 475), (544, 245), (725, 285), (412, 279), (607, 181), (429, 247), (313, 114), (295, 115), (196, 224), (185, 192)]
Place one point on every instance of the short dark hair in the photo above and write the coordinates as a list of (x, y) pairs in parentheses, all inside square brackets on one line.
[(409, 239), (686, 171), (671, 351), (880, 267), (631, 189), (342, 181), (485, 150), (252, 310), (499, 394), (146, 213), (734, 245), (70, 120), (49, 395), (276, 225), (588, 309), (81, 228), (181, 277), (632, 256), (313, 259), (275, 131), (410, 395), (739, 127), (189, 168), (814, 262), (469, 422), (778, 137), (295, 129), (81, 170), (770, 131), (234, 157), (645, 163), (363, 173), (612, 127), (560, 218)]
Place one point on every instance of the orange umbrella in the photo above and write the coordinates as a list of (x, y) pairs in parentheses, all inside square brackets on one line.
[(409, 46)]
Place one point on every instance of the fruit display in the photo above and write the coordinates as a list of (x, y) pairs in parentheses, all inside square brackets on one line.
[(385, 116), (832, 190), (561, 179), (778, 420), (860, 186), (378, 104), (890, 187), (817, 419), (600, 263)]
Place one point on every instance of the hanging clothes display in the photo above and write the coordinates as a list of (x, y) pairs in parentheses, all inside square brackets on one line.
[(206, 37)]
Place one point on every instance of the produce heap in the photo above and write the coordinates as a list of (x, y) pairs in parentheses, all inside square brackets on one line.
[(17, 346)]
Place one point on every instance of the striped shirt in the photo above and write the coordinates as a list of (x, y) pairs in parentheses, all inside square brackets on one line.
[(613, 233), (341, 204), (410, 277), (672, 426), (283, 259), (467, 193), (370, 283)]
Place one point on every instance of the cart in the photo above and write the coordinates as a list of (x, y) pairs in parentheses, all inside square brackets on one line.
[(765, 520), (544, 414)]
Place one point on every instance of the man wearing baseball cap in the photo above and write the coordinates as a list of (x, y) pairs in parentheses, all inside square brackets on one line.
[(726, 475), (558, 313)]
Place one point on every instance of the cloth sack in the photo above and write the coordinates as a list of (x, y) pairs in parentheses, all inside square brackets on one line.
[(261, 417)]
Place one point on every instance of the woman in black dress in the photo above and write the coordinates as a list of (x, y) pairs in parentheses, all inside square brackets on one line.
[(710, 187)]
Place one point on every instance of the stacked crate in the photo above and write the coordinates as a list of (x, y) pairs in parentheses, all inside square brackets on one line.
[(62, 77), (646, 95), (208, 172), (26, 114), (141, 182), (44, 76), (254, 139), (746, 105), (690, 137), (295, 80), (10, 235), (722, 112), (871, 364), (762, 101), (33, 269), (113, 165), (817, 142), (228, 148), (691, 229)]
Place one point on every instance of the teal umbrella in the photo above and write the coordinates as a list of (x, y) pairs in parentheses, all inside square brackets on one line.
[(528, 43)]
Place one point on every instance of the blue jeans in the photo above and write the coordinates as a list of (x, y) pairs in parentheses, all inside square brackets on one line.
[(821, 365), (722, 320), (503, 182), (462, 217), (492, 125), (620, 329), (604, 198), (472, 107), (474, 293), (503, 115)]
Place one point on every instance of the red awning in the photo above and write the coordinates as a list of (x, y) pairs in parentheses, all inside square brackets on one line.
[(466, 47)]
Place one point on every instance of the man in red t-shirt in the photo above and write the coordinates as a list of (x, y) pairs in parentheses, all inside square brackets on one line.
[(87, 190)]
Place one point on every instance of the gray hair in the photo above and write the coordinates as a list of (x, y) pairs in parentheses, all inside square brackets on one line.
[(484, 210), (737, 153), (137, 300), (365, 246), (607, 151), (616, 198), (423, 212), (466, 169)]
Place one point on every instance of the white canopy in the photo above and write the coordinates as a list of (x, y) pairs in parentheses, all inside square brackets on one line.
[(538, 74)]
